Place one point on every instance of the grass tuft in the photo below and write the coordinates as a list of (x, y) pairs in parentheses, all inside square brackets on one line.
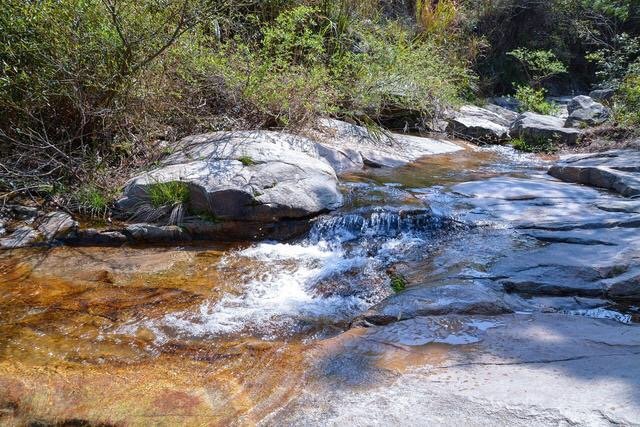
[(168, 194)]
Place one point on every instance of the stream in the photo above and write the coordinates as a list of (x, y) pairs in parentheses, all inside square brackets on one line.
[(268, 333)]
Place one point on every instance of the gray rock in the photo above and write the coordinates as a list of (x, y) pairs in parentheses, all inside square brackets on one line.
[(509, 116), (245, 176), (506, 102), (535, 128), (602, 94), (479, 125), (584, 111), (148, 233), (56, 225), (625, 287), (350, 147), (93, 237), (563, 269), (430, 301), (21, 237), (628, 206), (618, 171), (523, 370)]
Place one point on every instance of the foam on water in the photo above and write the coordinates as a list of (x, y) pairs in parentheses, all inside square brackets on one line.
[(329, 278)]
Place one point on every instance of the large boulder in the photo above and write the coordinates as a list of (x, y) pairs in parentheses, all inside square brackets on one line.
[(479, 125), (618, 171), (256, 176), (537, 128), (350, 147), (584, 111)]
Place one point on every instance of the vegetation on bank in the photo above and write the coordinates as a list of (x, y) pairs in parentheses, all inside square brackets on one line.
[(92, 90)]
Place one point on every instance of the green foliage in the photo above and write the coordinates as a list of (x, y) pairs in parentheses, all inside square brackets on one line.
[(614, 60), (398, 282), (531, 99), (168, 194), (627, 102), (246, 161), (538, 65), (533, 145)]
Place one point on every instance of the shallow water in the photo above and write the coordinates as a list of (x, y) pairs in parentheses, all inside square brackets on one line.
[(225, 334)]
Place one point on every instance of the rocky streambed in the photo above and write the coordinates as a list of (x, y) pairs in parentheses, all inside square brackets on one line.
[(463, 287)]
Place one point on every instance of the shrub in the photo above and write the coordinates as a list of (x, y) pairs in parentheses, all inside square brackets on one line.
[(531, 99), (538, 65), (627, 101), (530, 145)]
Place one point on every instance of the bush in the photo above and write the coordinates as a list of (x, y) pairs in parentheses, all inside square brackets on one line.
[(531, 99), (627, 101), (530, 145)]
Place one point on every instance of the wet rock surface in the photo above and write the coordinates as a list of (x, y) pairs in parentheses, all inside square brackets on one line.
[(618, 171)]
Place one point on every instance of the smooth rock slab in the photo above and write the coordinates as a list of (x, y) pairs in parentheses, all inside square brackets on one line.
[(244, 176), (479, 125), (618, 171), (349, 147), (524, 370), (438, 300)]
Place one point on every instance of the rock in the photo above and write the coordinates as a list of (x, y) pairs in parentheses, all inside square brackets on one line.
[(244, 176), (584, 111), (508, 115), (506, 102), (242, 230), (350, 147), (625, 287), (618, 171), (628, 206), (93, 237), (602, 94), (563, 269), (479, 125), (148, 233), (520, 189), (577, 366), (21, 237), (439, 300), (56, 225), (23, 212), (535, 128)]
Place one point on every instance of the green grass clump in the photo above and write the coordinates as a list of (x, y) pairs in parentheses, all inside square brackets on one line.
[(246, 161), (398, 282), (168, 193)]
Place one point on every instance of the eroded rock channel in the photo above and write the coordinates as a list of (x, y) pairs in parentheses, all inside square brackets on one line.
[(469, 287)]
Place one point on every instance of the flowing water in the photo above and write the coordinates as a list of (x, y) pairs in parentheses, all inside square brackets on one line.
[(225, 334)]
